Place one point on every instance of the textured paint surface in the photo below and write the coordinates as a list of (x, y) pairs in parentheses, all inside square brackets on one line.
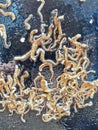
[(77, 20)]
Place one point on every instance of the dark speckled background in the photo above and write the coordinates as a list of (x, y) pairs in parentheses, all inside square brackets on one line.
[(77, 17)]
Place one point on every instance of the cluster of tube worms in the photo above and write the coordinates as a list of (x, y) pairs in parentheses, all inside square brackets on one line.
[(11, 92), (72, 89)]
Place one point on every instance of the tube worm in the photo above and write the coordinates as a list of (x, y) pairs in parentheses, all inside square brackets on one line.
[(27, 25), (10, 14), (4, 35), (39, 10), (5, 5)]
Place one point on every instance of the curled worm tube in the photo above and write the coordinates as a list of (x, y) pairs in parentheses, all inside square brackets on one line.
[(39, 10), (4, 35), (27, 25), (8, 3), (10, 14)]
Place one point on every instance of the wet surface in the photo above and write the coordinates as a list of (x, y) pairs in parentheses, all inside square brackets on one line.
[(77, 20)]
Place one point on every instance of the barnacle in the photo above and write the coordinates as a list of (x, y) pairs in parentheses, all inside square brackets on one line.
[(27, 25)]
